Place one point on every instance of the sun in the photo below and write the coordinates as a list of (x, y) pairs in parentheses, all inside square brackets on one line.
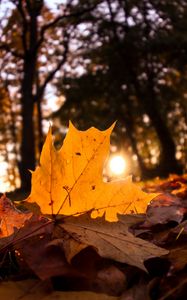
[(117, 165)]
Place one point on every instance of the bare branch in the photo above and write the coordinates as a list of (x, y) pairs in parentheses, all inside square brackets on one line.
[(60, 18)]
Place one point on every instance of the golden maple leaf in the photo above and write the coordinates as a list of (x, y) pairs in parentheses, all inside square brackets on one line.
[(69, 181)]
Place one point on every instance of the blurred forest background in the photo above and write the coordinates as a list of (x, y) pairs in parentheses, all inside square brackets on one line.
[(93, 62)]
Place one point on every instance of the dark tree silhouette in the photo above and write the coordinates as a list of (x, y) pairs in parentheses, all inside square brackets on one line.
[(28, 35), (128, 63)]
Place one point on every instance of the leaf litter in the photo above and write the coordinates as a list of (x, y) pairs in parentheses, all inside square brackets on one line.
[(87, 236)]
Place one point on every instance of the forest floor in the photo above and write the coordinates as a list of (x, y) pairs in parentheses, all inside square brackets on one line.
[(165, 277)]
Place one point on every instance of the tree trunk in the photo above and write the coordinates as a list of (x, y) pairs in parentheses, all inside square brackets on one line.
[(28, 141), (168, 162), (37, 100), (126, 118), (28, 137)]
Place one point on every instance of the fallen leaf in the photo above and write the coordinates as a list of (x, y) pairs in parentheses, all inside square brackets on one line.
[(36, 225), (175, 184), (69, 181), (110, 239), (30, 243), (45, 260), (36, 248), (165, 208), (10, 217)]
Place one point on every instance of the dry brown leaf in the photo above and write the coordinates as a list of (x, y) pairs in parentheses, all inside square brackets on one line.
[(69, 181), (32, 227), (110, 239), (45, 260), (165, 208)]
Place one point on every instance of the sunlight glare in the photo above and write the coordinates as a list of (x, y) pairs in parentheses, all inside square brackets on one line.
[(117, 165)]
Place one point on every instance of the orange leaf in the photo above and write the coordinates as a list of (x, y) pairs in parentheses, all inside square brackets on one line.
[(10, 217), (69, 181)]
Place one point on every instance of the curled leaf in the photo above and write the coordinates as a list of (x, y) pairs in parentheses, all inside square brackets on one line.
[(111, 240)]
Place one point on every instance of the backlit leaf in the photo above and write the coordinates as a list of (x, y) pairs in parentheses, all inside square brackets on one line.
[(69, 181)]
